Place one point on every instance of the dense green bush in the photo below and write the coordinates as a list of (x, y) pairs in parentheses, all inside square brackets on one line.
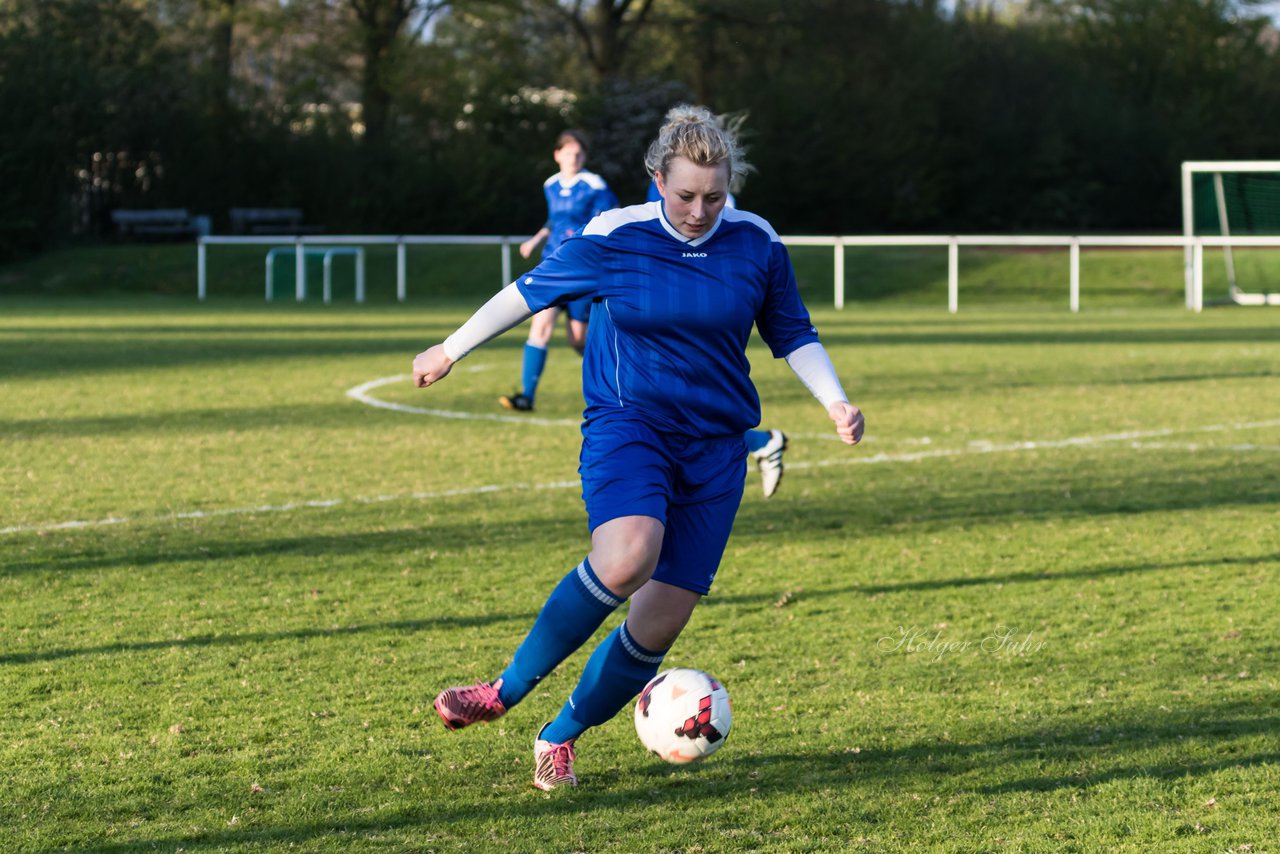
[(864, 115)]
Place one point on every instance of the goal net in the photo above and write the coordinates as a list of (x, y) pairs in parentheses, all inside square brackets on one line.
[(1235, 206)]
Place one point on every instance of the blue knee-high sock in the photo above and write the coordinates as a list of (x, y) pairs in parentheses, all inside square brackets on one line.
[(756, 439), (616, 672), (572, 613), (535, 359)]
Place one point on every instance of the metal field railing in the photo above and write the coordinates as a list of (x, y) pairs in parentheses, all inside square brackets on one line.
[(1194, 247), (304, 245)]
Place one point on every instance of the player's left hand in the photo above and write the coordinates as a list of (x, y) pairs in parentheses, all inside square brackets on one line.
[(430, 366), (848, 420)]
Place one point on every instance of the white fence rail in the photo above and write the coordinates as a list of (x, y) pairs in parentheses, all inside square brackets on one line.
[(1194, 246), (300, 244)]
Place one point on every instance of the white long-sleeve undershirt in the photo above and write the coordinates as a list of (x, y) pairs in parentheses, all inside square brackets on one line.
[(506, 309), (813, 366)]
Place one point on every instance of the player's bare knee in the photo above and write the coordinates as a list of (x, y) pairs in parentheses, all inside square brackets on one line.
[(625, 570), (624, 552), (657, 632)]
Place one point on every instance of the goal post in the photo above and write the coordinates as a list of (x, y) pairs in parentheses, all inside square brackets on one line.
[(1231, 202), (385, 251)]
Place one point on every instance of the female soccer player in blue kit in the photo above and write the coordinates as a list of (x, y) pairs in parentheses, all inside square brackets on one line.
[(574, 196), (679, 285), (763, 446)]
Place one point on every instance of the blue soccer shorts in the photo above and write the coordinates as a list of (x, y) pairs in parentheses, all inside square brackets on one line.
[(693, 486)]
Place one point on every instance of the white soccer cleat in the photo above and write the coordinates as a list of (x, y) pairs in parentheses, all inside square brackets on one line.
[(769, 462), (553, 764)]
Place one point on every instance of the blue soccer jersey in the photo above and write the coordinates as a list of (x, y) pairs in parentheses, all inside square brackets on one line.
[(571, 206), (667, 340)]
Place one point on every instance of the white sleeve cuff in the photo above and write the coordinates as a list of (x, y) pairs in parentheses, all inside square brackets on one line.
[(813, 366), (503, 311)]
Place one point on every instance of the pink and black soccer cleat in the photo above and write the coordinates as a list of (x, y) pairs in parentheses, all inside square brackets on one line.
[(470, 704)]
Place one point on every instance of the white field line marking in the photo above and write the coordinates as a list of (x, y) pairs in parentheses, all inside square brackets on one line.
[(361, 393), (1133, 438), (1174, 446), (832, 437)]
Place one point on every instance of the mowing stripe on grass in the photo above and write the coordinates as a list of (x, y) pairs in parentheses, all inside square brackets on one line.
[(289, 507), (1130, 438)]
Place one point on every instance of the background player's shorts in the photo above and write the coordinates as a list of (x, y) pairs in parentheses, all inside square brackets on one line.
[(579, 309), (692, 486)]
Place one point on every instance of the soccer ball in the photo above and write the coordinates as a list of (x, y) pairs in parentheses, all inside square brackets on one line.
[(683, 715)]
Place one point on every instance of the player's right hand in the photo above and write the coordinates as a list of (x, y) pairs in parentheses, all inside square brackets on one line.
[(430, 366), (848, 420)]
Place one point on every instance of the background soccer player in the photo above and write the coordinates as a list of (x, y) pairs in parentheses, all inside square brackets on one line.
[(574, 196), (666, 380)]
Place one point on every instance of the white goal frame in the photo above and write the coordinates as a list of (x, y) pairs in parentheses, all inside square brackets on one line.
[(1193, 266)]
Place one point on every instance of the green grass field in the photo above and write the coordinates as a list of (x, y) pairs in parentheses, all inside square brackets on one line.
[(1032, 612)]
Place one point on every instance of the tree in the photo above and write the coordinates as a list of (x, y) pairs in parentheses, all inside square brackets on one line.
[(223, 13), (606, 29), (93, 101), (382, 23)]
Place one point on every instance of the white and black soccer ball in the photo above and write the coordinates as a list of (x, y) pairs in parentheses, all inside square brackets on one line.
[(683, 715)]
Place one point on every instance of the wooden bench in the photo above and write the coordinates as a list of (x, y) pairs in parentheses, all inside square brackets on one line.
[(160, 222), (270, 221)]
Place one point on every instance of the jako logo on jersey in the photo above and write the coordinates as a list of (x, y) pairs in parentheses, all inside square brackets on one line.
[(693, 255)]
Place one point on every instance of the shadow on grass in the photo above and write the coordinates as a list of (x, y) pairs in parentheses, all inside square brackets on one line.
[(1108, 571), (1054, 337), (36, 351), (829, 528), (1105, 376), (1100, 745), (1090, 754), (1009, 496), (25, 359), (377, 545), (341, 413), (247, 638), (344, 412)]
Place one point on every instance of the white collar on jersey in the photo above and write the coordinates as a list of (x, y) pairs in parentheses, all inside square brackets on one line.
[(586, 176), (674, 232)]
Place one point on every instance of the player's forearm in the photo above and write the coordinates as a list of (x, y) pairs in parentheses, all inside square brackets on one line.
[(813, 366), (506, 309)]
